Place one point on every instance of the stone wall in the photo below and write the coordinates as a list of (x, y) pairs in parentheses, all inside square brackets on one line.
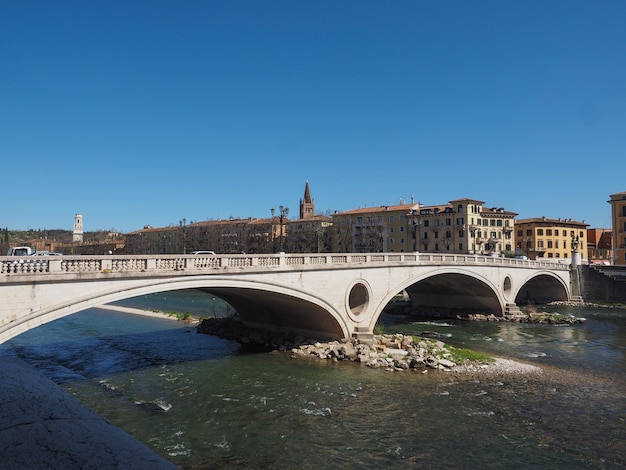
[(603, 283)]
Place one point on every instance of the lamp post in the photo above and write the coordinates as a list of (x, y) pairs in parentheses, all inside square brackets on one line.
[(182, 226), (527, 243), (282, 215), (415, 223)]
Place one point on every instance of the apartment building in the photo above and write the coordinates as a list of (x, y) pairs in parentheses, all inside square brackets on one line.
[(618, 218), (551, 238), (461, 226), (599, 246)]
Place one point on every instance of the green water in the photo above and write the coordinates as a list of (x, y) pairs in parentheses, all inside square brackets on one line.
[(201, 404)]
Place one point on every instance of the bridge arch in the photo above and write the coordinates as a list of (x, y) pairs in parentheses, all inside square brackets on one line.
[(541, 287), (448, 291), (266, 305)]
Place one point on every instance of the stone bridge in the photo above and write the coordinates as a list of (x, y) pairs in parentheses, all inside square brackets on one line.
[(322, 295)]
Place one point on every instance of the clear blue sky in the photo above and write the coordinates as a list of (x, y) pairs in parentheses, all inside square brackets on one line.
[(147, 112)]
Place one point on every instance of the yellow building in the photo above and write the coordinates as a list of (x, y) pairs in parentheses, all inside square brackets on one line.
[(618, 212), (373, 229), (551, 238), (461, 226)]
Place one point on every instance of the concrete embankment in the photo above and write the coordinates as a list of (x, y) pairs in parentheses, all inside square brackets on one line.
[(43, 427)]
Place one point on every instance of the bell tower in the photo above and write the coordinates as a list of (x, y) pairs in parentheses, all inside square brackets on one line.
[(307, 205), (78, 229)]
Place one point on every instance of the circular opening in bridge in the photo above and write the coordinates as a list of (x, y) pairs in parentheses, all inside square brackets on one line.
[(506, 286), (358, 299)]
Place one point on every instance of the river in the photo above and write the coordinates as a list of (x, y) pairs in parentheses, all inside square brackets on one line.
[(201, 403)]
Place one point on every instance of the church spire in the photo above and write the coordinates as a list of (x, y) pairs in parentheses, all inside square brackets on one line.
[(307, 205)]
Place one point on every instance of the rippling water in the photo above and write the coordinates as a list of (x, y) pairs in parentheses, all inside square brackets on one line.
[(200, 403)]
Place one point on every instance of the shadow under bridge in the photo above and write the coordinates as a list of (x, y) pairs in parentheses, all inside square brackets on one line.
[(281, 312), (451, 293)]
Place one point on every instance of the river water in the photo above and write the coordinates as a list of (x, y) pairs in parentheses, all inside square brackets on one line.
[(201, 403)]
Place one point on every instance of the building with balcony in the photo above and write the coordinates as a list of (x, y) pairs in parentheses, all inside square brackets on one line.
[(618, 221), (373, 229), (600, 246), (551, 238), (461, 226)]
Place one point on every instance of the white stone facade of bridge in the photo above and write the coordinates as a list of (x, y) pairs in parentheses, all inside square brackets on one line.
[(323, 295)]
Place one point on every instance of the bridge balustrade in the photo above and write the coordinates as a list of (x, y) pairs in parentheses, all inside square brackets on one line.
[(15, 267)]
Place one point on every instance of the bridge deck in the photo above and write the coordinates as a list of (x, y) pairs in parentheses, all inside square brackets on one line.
[(15, 267)]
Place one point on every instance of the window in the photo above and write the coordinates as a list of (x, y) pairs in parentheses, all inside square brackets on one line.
[(539, 231), (519, 233), (459, 209), (436, 234), (499, 222), (556, 243), (391, 229), (402, 241), (492, 223), (556, 232), (461, 246), (402, 229), (459, 220), (549, 232), (426, 223), (391, 218), (623, 211), (529, 232), (401, 217), (549, 243), (391, 241), (539, 243), (448, 221)]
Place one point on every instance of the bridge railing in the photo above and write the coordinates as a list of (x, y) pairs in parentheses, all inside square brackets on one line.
[(46, 265)]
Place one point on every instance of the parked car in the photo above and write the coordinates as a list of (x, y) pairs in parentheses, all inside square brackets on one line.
[(206, 252), (20, 251), (46, 253)]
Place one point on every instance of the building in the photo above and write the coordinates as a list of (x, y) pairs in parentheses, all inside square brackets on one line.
[(618, 221), (222, 236), (310, 233), (551, 238), (236, 236), (461, 226), (600, 246), (373, 229), (77, 235)]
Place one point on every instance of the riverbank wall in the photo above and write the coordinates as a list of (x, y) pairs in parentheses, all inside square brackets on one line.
[(603, 283), (43, 427)]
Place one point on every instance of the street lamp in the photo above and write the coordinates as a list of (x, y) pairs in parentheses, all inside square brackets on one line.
[(182, 226), (282, 215), (527, 243), (415, 223)]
